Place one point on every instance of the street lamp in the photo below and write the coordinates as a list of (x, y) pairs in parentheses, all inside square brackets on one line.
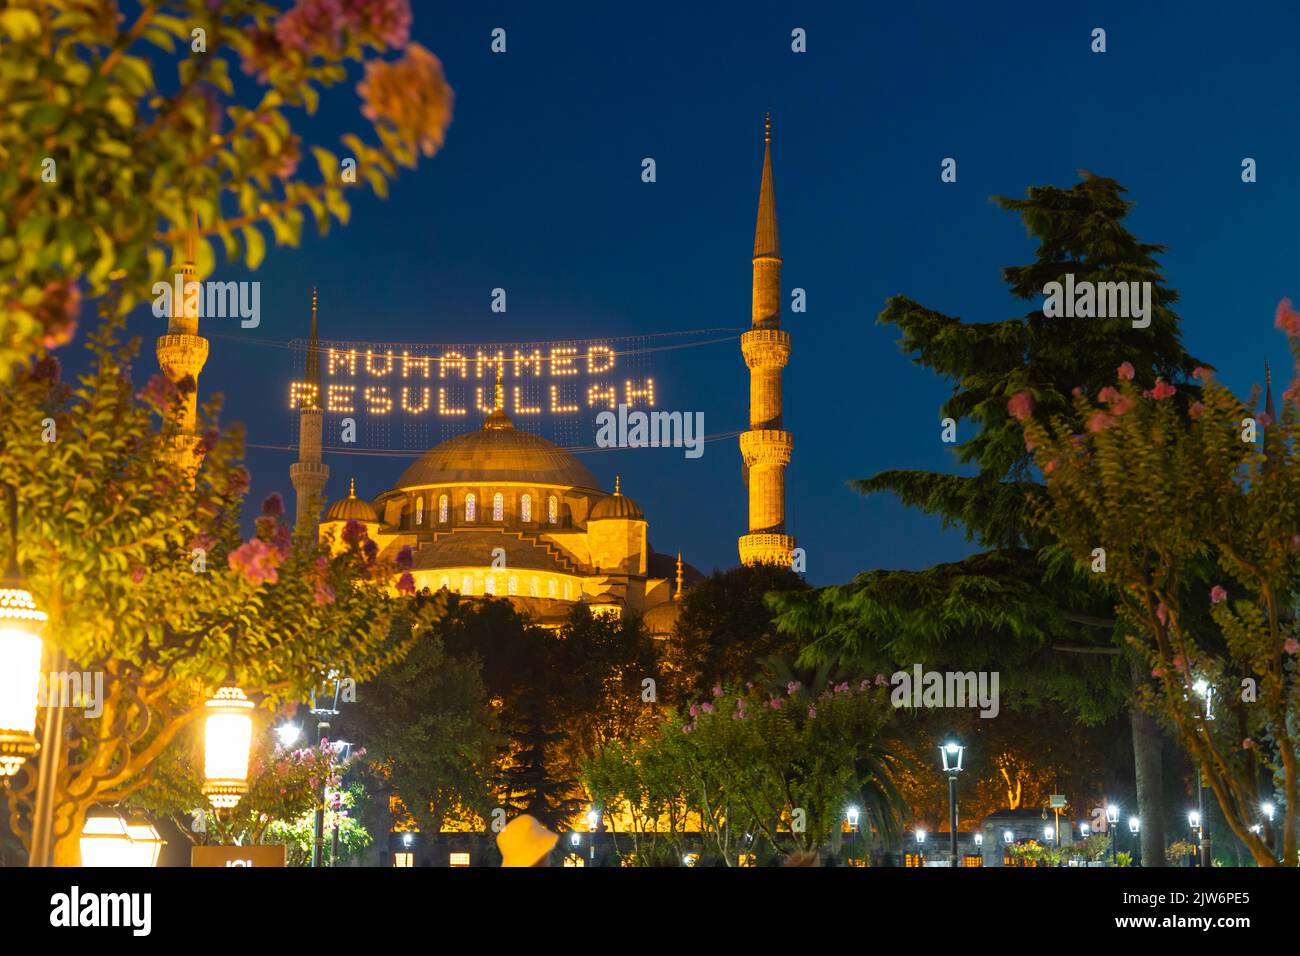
[(21, 622), (288, 734), (951, 754), (1112, 818), (108, 840), (1048, 832), (323, 708), (1134, 827), (851, 817), (227, 739)]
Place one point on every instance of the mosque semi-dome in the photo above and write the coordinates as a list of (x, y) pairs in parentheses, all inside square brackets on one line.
[(617, 505), (351, 507)]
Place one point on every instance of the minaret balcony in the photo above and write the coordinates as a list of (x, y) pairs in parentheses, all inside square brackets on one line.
[(766, 447), (765, 348), (313, 472), (180, 355), (766, 548)]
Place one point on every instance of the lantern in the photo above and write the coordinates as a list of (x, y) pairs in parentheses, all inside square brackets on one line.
[(108, 840), (20, 671), (951, 753), (227, 738)]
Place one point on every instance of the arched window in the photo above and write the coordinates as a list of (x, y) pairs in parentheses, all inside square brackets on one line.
[(444, 507), (526, 508), (498, 506), (512, 585), (467, 584), (566, 590), (490, 584), (550, 587), (553, 509), (470, 507), (419, 510), (534, 587)]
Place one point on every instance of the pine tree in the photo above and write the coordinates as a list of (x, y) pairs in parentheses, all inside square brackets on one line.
[(1019, 603)]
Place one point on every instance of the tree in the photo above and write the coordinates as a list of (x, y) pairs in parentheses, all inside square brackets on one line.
[(431, 735), (104, 170), (1159, 487), (146, 581), (1018, 605), (725, 629)]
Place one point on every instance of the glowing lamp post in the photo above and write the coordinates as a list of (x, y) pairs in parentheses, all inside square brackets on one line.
[(20, 658), (227, 738), (1112, 818), (951, 754), (20, 671), (111, 841)]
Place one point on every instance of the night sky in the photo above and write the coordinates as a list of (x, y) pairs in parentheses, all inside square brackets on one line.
[(538, 190)]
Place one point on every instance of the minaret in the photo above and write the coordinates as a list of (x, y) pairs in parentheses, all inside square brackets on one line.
[(182, 353), (766, 446), (308, 473), (677, 596)]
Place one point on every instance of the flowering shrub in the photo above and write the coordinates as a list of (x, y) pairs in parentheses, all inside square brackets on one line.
[(1197, 507), (743, 762)]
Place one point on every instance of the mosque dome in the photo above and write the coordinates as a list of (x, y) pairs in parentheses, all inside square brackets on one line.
[(351, 507), (497, 452), (617, 505)]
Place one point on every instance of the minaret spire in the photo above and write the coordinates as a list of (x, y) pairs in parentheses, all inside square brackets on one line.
[(182, 353), (766, 447), (309, 474), (678, 595)]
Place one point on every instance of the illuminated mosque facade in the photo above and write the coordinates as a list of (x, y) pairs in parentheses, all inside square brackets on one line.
[(499, 511)]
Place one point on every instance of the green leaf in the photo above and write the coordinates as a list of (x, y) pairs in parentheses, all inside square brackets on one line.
[(255, 246)]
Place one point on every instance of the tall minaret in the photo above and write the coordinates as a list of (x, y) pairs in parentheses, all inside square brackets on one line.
[(309, 473), (182, 353), (766, 446)]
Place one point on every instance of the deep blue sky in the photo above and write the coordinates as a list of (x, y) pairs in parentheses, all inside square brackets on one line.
[(538, 190)]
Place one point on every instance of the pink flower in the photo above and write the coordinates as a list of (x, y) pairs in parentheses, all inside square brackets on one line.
[(1099, 422), (282, 540), (1109, 394), (812, 713), (1157, 672), (1051, 466), (693, 710), (369, 550), (1020, 406), (324, 594), (793, 686), (406, 583), (1162, 390), (686, 728), (405, 557), (159, 391), (1291, 646), (1196, 409), (717, 690), (353, 531), (1286, 318), (1125, 371), (137, 574), (1247, 744), (881, 681), (1264, 418), (409, 97), (1179, 663), (1218, 595), (775, 703), (707, 708), (273, 506), (256, 561)]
